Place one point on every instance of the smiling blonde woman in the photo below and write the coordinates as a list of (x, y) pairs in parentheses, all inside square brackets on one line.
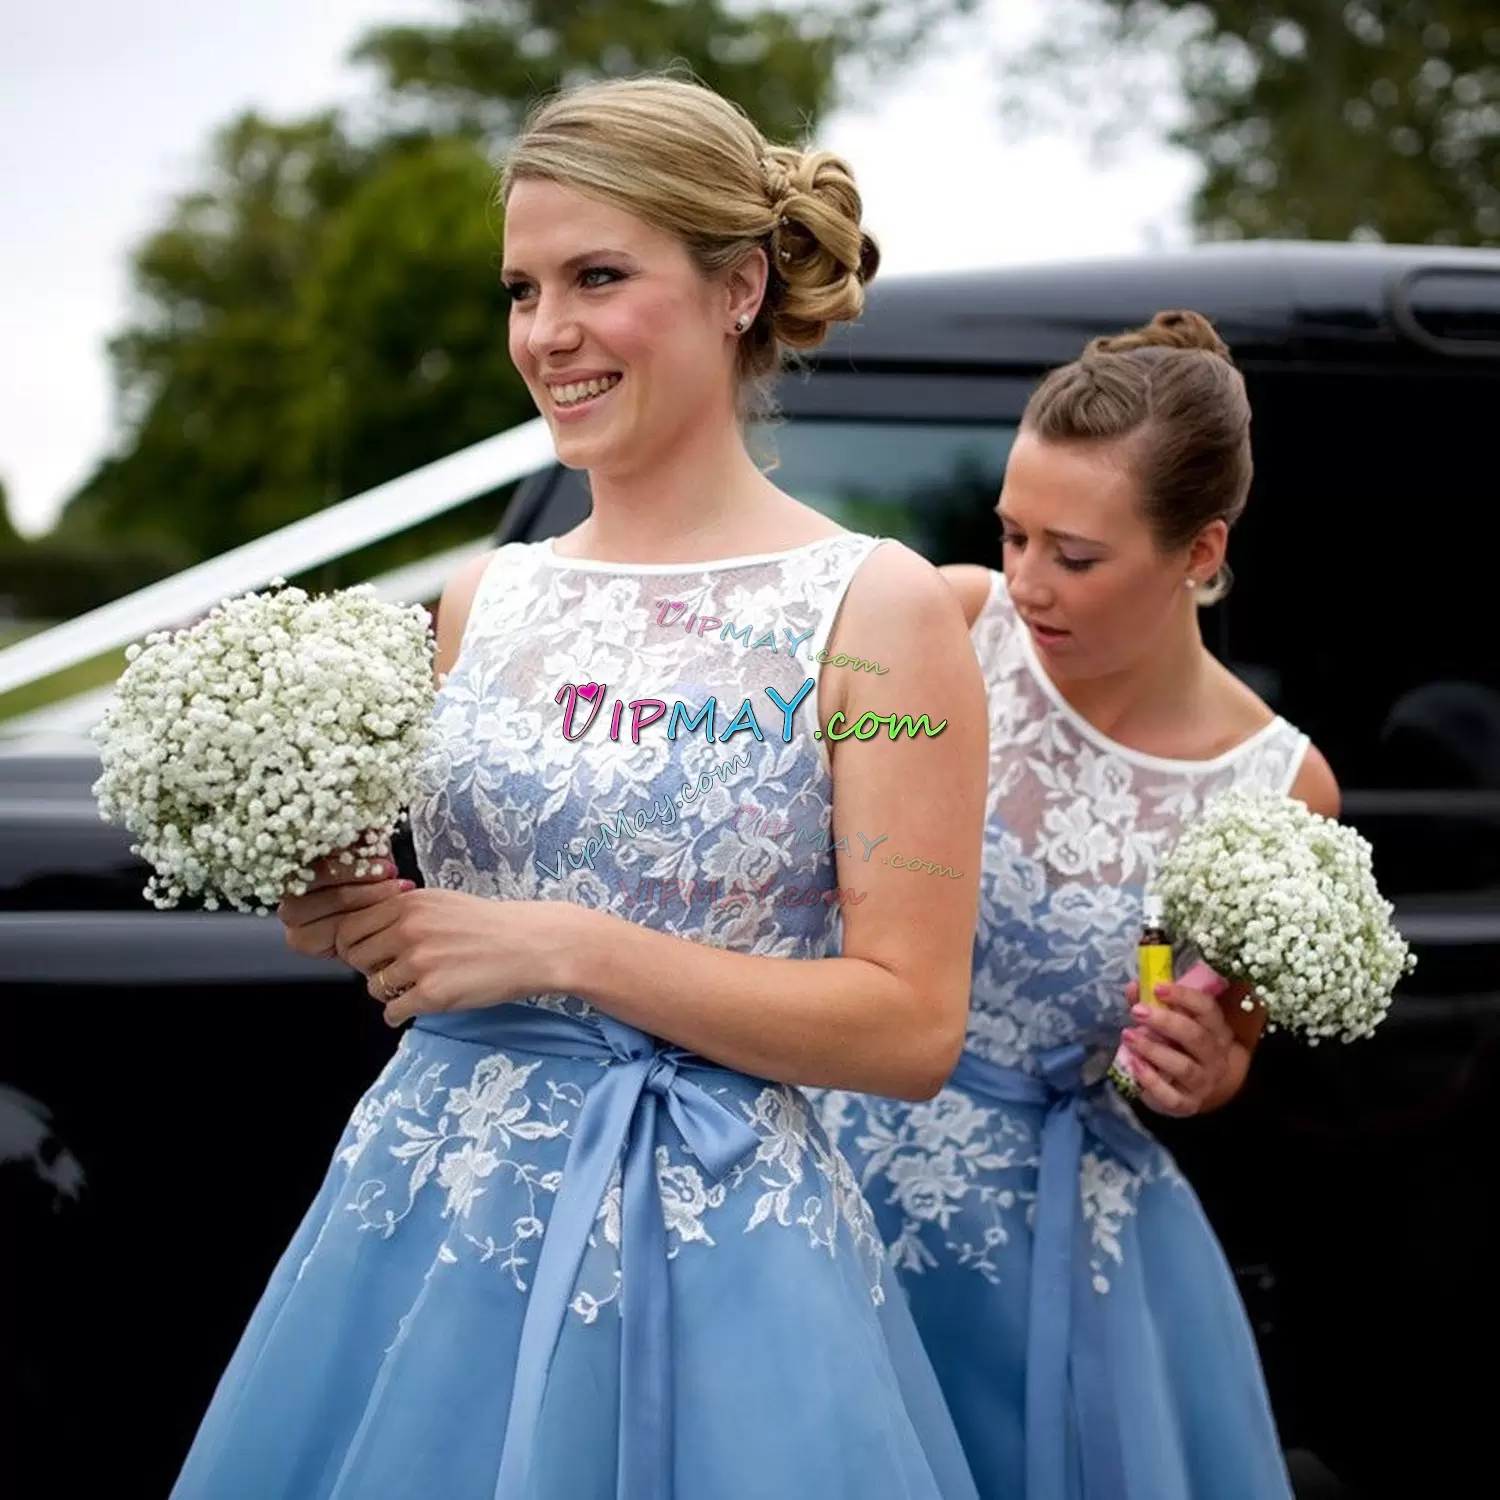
[(584, 1239)]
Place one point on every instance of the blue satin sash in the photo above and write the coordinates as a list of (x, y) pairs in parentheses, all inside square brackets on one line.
[(620, 1115), (1065, 1342)]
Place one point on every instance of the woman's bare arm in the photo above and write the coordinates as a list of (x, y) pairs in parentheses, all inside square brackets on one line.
[(887, 1016)]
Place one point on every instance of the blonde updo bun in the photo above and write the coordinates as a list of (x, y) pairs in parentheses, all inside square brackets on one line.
[(1171, 391), (821, 259), (681, 157), (1179, 329)]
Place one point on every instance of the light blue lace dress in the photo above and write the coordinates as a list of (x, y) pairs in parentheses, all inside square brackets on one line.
[(1078, 1309), (553, 1258)]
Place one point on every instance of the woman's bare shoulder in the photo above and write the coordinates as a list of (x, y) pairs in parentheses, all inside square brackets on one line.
[(899, 611), (972, 584), (1315, 784), (453, 610)]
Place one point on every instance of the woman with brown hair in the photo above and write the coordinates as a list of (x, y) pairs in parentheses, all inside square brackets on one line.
[(1076, 1305)]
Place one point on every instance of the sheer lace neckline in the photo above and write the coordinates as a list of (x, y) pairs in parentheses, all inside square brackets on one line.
[(1096, 736), (547, 550)]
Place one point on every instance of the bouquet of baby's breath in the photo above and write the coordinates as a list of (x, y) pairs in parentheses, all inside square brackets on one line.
[(1283, 900), (274, 732)]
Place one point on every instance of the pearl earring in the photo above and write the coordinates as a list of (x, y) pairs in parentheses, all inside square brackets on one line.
[(1190, 583), (742, 322)]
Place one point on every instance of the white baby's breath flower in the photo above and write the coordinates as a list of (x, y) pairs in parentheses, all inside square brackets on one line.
[(1282, 899), (273, 732)]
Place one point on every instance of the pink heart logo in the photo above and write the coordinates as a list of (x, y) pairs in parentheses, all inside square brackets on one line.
[(676, 604), (589, 690)]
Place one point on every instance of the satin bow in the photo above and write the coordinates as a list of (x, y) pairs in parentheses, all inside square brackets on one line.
[(620, 1114), (1065, 1329)]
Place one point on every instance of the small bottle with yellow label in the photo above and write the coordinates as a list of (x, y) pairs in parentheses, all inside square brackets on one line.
[(1153, 967), (1155, 950)]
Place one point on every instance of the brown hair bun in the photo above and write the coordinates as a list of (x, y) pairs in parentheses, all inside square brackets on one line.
[(1180, 328), (1173, 390)]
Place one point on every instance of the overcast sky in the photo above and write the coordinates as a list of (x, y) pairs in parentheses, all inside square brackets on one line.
[(106, 107)]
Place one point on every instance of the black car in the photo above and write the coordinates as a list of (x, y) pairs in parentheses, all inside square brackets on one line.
[(172, 1084)]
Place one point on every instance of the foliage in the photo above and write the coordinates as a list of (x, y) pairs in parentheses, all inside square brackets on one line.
[(402, 325), (1372, 119), (209, 379), (57, 577), (323, 313), (9, 537), (780, 62)]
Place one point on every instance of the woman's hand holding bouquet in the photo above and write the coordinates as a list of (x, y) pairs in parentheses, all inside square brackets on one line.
[(1183, 1056), (278, 732), (1283, 901)]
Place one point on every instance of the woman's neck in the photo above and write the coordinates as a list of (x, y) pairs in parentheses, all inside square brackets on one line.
[(705, 500), (1157, 697)]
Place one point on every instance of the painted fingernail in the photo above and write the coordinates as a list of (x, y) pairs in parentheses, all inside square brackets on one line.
[(1141, 1012), (408, 885), (1162, 991)]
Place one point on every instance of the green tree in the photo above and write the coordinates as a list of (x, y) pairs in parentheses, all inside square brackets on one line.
[(1372, 119), (324, 313), (209, 380), (402, 325), (782, 63), (481, 75), (10, 538)]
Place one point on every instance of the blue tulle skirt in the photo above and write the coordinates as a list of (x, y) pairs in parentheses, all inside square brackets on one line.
[(476, 1306), (1080, 1314)]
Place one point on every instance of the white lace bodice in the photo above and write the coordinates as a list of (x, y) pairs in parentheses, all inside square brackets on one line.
[(509, 808), (1073, 824)]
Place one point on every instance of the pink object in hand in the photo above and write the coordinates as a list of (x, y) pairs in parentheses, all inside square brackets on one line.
[(1201, 977)]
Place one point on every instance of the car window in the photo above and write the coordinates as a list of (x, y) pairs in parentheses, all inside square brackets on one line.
[(932, 485)]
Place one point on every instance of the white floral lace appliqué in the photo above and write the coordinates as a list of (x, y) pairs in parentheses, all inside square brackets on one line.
[(461, 1140)]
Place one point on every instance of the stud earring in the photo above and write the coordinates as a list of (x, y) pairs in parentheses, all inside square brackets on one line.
[(1190, 583), (741, 323)]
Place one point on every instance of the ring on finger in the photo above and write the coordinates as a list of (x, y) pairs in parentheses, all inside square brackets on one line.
[(387, 994)]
